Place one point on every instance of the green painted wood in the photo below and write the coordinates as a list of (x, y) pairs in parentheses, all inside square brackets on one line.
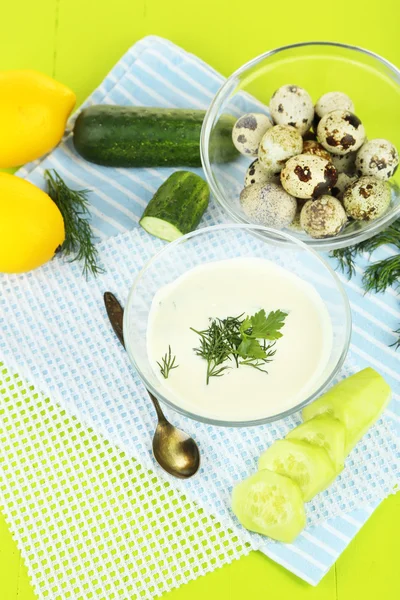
[(79, 42)]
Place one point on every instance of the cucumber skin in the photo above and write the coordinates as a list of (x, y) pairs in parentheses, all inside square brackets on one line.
[(129, 136), (181, 201)]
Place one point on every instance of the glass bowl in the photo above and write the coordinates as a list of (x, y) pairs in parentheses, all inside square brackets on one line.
[(226, 242), (371, 81)]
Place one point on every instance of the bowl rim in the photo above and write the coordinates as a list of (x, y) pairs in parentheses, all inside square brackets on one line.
[(324, 244), (266, 239)]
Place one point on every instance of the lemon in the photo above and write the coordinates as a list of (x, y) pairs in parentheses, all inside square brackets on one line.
[(31, 225), (33, 112)]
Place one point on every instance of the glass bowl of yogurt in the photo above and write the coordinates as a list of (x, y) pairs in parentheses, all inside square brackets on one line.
[(231, 327), (372, 84)]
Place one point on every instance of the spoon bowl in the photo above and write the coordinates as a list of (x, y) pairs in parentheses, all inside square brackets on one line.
[(175, 451)]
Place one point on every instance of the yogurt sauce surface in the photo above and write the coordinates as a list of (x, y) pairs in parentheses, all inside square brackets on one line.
[(230, 288)]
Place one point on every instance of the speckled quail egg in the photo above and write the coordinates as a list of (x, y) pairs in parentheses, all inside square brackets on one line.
[(277, 145), (295, 225), (343, 181), (324, 217), (307, 176), (268, 204), (345, 163), (248, 131), (333, 101), (257, 174), (367, 198), (340, 132), (292, 105), (378, 158), (313, 147)]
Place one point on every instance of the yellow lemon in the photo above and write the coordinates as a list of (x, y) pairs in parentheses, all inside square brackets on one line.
[(31, 226), (33, 112)]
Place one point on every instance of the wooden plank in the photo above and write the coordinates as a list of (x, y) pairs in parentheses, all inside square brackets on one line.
[(369, 566), (27, 35)]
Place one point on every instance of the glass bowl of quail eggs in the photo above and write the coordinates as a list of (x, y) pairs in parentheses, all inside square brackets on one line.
[(317, 135)]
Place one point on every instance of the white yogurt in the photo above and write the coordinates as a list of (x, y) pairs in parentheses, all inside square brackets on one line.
[(230, 288)]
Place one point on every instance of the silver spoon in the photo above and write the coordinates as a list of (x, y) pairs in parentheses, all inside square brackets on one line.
[(173, 449)]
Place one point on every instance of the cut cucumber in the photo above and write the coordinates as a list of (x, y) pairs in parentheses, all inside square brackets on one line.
[(309, 466), (326, 432), (270, 504), (356, 401), (177, 206)]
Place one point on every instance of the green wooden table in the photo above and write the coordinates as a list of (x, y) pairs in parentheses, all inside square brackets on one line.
[(77, 42)]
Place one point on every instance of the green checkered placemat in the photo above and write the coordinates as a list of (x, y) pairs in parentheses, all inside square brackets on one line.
[(90, 521)]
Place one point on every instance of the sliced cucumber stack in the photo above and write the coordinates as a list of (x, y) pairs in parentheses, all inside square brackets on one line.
[(270, 504), (357, 402), (309, 466), (326, 432), (310, 457)]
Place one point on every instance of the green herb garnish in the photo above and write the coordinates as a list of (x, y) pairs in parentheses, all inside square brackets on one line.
[(236, 338), (381, 274), (167, 363), (74, 207)]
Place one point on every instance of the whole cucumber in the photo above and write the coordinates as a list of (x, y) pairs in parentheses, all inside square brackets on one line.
[(130, 136)]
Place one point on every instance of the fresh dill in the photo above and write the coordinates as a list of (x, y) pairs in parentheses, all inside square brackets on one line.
[(381, 274), (167, 363), (74, 208), (236, 339)]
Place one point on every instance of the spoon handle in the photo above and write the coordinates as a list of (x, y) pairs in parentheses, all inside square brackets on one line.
[(160, 414), (115, 314)]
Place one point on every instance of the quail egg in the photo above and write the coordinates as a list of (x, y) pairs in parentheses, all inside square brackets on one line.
[(378, 158), (257, 174), (268, 204), (367, 198), (248, 131), (307, 176), (322, 218), (313, 147), (277, 145), (344, 163), (340, 132), (295, 224), (333, 101), (343, 181), (292, 105)]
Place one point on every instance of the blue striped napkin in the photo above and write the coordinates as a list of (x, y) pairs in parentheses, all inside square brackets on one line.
[(155, 72)]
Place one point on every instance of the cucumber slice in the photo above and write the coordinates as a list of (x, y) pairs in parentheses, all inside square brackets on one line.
[(270, 504), (356, 401), (309, 466), (326, 432)]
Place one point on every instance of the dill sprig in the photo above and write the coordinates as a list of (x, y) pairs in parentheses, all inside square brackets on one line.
[(345, 258), (396, 344), (74, 207), (215, 347), (236, 338), (380, 274), (167, 363)]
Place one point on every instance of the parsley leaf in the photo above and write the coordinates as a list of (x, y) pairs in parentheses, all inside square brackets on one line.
[(250, 348), (267, 327)]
